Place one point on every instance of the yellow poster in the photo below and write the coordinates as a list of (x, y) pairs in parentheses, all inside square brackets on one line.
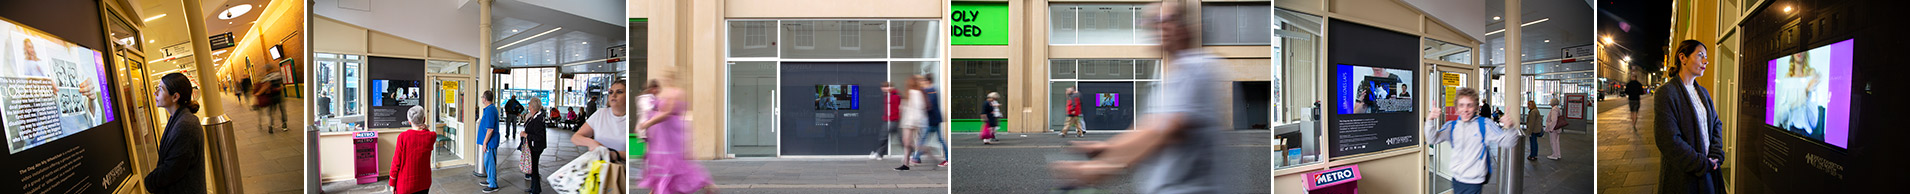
[(449, 91), (1452, 82)]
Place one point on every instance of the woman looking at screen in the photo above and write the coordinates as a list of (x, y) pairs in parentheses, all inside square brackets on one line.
[(181, 168), (1688, 134)]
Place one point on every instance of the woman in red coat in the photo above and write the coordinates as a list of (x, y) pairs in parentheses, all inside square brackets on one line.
[(410, 165)]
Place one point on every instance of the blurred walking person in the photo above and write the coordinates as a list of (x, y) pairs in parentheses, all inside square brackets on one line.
[(1074, 115), (890, 114), (991, 114), (667, 165), (932, 110), (912, 120), (1175, 147)]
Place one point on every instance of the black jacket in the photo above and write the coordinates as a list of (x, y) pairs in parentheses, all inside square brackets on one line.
[(1634, 89), (534, 134), (513, 108), (1686, 167), (181, 168)]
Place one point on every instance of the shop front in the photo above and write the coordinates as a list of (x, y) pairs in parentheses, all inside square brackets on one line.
[(822, 83)]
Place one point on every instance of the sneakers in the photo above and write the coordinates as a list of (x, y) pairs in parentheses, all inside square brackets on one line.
[(944, 164), (490, 189), (873, 156), (1084, 133), (1553, 157), (479, 175), (903, 168)]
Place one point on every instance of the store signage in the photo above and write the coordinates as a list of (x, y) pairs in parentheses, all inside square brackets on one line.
[(1576, 51), (365, 155), (979, 23), (1331, 178), (617, 53), (221, 41)]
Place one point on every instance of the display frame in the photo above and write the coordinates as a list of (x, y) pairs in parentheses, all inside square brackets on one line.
[(1849, 99), (110, 159)]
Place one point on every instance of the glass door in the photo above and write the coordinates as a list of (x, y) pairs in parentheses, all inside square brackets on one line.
[(752, 109), (449, 113)]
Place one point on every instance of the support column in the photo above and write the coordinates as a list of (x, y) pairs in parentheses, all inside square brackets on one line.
[(486, 82), (218, 129), (1513, 98)]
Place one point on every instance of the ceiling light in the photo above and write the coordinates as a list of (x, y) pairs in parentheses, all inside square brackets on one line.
[(513, 30), (1495, 18), (1535, 22), (235, 11), (532, 37), (1548, 40), (150, 19)]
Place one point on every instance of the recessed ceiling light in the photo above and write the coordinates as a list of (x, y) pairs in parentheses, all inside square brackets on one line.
[(235, 11), (1495, 18), (1548, 40)]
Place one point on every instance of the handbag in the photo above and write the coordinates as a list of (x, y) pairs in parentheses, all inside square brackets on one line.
[(571, 178)]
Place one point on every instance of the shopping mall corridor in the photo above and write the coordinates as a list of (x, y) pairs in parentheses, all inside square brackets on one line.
[(1626, 151)]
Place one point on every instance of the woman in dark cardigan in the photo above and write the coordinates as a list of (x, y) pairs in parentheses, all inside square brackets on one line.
[(181, 168)]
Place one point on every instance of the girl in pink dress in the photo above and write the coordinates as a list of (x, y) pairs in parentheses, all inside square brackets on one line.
[(667, 167)]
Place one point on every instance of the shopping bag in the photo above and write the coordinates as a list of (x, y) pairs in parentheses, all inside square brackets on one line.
[(524, 160), (613, 177), (594, 180), (570, 178)]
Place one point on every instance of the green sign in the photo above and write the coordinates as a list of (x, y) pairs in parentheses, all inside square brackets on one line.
[(979, 24)]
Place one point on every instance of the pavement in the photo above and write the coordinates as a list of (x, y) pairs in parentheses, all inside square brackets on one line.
[(1571, 173), (1628, 154), (458, 179), (821, 175), (1018, 163)]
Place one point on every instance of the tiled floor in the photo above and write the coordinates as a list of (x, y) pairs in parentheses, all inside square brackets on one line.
[(269, 162), (458, 179), (1627, 155)]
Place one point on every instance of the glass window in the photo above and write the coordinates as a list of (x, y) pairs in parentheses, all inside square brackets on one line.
[(826, 39), (1107, 69), (752, 39), (1061, 69), (1236, 23), (1061, 29), (451, 67), (973, 80), (1297, 60), (914, 39), (1058, 104), (1444, 51), (1097, 23), (353, 65)]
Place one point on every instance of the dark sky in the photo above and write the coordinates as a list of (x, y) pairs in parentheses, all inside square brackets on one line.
[(1650, 22)]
